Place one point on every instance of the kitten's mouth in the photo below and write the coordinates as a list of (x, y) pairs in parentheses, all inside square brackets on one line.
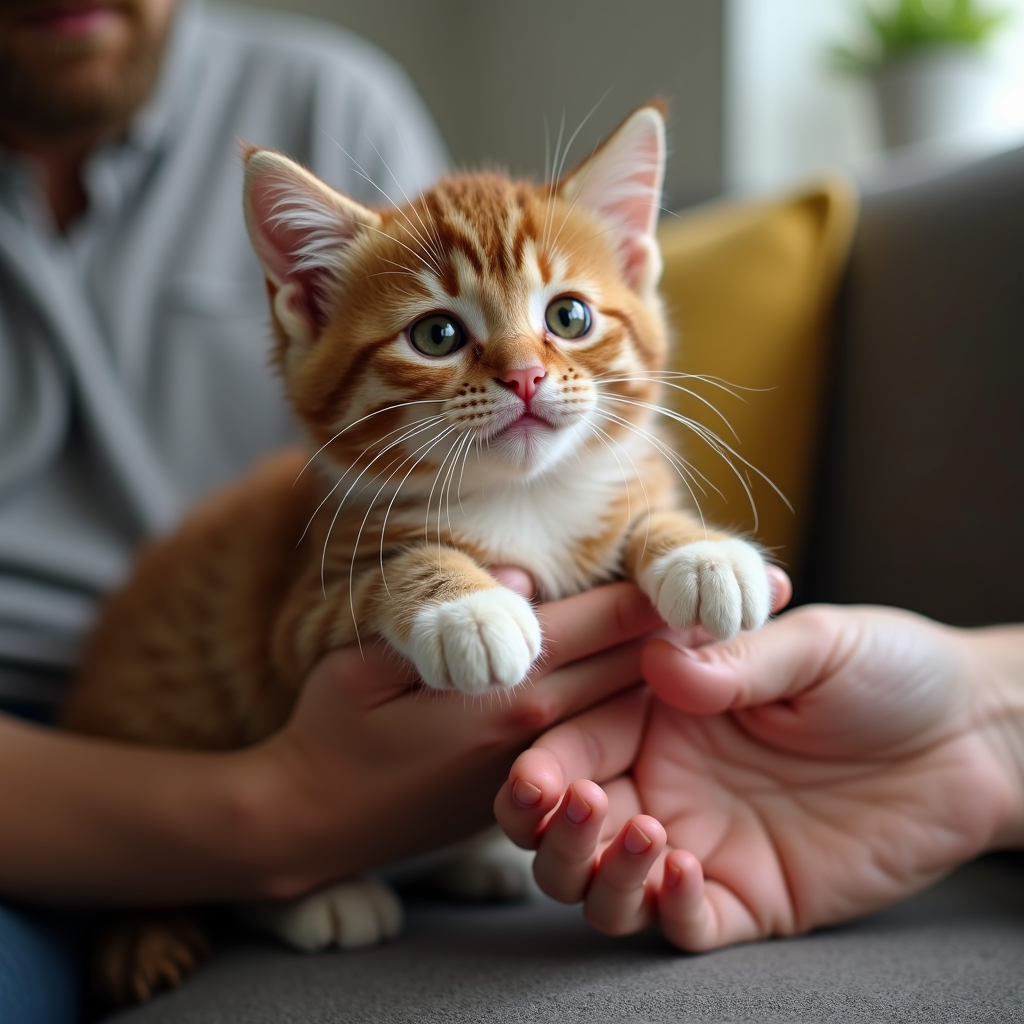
[(528, 422)]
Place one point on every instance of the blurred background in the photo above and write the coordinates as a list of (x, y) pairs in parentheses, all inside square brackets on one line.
[(757, 102)]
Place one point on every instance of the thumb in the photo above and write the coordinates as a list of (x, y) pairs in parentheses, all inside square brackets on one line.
[(782, 660)]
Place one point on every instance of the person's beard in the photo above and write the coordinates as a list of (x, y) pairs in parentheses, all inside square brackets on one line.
[(36, 102)]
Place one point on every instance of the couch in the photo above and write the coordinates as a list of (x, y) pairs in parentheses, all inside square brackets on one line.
[(886, 401)]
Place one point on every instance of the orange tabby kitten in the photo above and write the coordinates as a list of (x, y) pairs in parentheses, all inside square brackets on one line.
[(478, 372)]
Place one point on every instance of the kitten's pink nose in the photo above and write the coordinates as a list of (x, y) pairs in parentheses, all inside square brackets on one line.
[(523, 382)]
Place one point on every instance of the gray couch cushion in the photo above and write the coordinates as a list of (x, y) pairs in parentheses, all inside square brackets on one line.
[(955, 953), (924, 467)]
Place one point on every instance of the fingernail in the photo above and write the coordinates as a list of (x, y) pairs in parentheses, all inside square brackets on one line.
[(525, 794), (577, 810), (636, 841), (673, 875)]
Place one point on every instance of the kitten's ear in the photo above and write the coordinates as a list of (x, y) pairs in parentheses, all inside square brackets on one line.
[(622, 183), (301, 230)]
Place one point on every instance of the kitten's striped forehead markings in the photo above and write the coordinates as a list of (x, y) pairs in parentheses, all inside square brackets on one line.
[(505, 319)]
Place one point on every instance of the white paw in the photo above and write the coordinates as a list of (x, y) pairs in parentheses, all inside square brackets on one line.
[(719, 583), (349, 915), (487, 867), (486, 639)]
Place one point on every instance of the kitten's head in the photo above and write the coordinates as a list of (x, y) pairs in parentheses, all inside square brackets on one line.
[(495, 325)]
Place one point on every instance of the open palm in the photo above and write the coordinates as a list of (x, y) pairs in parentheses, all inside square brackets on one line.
[(832, 763)]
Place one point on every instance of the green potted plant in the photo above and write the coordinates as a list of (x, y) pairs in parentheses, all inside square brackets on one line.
[(925, 59)]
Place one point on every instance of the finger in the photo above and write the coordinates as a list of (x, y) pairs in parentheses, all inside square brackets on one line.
[(594, 621), (506, 720), (781, 588), (601, 743), (696, 915), (514, 578), (534, 786), (568, 850), (782, 660), (619, 901)]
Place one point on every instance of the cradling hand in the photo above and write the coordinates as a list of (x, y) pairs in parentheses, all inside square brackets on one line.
[(829, 764), (373, 768)]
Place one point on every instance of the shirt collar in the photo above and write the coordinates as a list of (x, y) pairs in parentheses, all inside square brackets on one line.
[(175, 87), (113, 172)]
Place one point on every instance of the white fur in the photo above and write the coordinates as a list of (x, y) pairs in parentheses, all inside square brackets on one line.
[(538, 524), (719, 583), (486, 639), (349, 915)]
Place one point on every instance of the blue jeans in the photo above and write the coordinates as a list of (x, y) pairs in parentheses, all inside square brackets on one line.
[(40, 950), (39, 967)]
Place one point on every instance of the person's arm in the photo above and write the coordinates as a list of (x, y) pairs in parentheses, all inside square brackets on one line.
[(369, 769), (834, 762)]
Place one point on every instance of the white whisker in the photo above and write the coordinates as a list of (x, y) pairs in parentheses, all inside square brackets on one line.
[(426, 449), (688, 473), (678, 387), (446, 491), (436, 256), (710, 438), (363, 419), (358, 169), (417, 426)]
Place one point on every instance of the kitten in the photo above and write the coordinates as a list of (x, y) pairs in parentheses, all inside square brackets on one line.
[(478, 371)]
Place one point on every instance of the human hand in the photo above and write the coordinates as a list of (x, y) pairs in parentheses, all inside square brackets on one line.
[(372, 768), (829, 764)]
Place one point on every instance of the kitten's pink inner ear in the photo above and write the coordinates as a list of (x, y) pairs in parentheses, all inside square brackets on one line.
[(300, 231), (622, 183)]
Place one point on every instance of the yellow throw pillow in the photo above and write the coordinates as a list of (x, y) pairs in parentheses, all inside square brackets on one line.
[(748, 288)]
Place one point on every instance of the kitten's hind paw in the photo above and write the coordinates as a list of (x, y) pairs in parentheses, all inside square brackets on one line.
[(350, 915), (720, 584), (143, 953), (486, 639)]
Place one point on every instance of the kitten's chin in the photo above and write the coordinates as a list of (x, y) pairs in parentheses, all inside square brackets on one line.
[(528, 447)]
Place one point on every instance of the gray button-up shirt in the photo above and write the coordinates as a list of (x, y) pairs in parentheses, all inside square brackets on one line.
[(134, 348)]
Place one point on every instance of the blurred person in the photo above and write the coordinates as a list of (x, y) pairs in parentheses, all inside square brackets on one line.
[(133, 378), (834, 762)]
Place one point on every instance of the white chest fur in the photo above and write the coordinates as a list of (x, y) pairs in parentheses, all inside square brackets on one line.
[(541, 524)]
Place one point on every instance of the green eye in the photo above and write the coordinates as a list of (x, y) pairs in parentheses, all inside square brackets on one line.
[(568, 318), (438, 335)]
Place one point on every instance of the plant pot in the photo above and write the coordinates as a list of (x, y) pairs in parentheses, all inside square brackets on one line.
[(935, 94)]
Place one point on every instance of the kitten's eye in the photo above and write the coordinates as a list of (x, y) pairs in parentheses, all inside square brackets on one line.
[(438, 335), (568, 318)]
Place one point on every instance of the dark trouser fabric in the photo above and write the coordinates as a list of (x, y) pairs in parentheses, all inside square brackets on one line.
[(39, 967)]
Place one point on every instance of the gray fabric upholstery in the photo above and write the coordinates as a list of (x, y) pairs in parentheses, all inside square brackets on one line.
[(955, 953), (924, 495)]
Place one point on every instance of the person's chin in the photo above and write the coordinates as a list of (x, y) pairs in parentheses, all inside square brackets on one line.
[(85, 73)]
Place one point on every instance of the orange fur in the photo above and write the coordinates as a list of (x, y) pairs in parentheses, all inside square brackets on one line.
[(426, 469), (210, 640)]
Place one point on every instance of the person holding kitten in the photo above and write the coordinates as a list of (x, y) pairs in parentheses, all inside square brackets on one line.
[(129, 306), (130, 383)]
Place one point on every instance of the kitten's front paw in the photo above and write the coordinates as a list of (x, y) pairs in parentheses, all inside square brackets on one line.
[(486, 639), (350, 915), (719, 583)]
